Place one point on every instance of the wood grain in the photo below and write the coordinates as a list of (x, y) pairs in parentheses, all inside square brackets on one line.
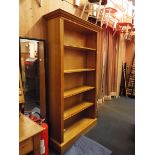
[(80, 33), (79, 62), (26, 146), (74, 80), (36, 144), (77, 128), (77, 90), (76, 109), (78, 70), (79, 79), (83, 126), (83, 59), (31, 23), (71, 77), (27, 128), (55, 78), (73, 101), (81, 24), (79, 48)]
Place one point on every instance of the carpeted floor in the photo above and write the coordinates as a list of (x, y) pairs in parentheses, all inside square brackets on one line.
[(115, 128)]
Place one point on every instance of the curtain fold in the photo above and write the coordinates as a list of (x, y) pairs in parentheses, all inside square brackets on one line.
[(102, 48), (110, 79), (107, 64), (120, 60), (114, 67)]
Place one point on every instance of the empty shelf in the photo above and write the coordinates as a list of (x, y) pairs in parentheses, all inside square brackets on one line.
[(78, 70), (79, 48), (76, 109), (77, 90), (78, 128)]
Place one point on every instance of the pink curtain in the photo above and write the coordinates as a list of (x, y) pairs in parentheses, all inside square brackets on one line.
[(101, 63), (107, 63), (110, 79)]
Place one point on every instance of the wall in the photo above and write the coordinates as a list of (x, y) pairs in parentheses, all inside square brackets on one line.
[(31, 23)]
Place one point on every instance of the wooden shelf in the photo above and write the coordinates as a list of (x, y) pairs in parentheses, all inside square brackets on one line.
[(78, 128), (78, 70), (77, 90), (76, 109), (79, 48)]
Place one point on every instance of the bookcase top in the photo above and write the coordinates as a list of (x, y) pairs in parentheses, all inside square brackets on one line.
[(66, 15)]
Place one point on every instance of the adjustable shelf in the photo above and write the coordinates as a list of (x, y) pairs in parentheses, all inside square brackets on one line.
[(76, 109), (81, 126), (78, 90), (78, 70), (79, 48)]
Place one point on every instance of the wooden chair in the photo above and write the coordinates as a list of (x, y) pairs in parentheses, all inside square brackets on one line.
[(91, 8), (99, 10)]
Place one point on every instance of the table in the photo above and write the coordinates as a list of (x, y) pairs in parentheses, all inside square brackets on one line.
[(29, 136)]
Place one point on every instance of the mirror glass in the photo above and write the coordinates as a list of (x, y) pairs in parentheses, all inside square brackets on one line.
[(33, 73)]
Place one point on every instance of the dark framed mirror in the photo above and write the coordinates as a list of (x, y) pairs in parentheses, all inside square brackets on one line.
[(32, 61)]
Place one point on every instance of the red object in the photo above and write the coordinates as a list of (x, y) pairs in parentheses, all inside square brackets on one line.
[(110, 10), (34, 118), (43, 135), (28, 63), (44, 140), (125, 24), (120, 25)]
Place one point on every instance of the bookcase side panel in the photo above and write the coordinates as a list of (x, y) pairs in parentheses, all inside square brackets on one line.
[(55, 79)]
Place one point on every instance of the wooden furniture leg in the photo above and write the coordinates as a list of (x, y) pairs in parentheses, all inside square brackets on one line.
[(84, 8), (36, 144)]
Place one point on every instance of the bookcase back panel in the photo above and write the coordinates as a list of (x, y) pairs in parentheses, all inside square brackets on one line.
[(69, 38), (79, 36), (90, 96), (90, 112), (72, 120), (78, 28), (74, 59), (72, 101), (91, 60), (73, 80), (91, 40), (84, 114), (90, 79)]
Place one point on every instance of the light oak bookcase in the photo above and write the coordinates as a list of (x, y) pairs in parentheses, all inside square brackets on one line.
[(72, 74)]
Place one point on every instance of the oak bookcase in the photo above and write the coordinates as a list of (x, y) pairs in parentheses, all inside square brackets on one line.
[(72, 68)]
